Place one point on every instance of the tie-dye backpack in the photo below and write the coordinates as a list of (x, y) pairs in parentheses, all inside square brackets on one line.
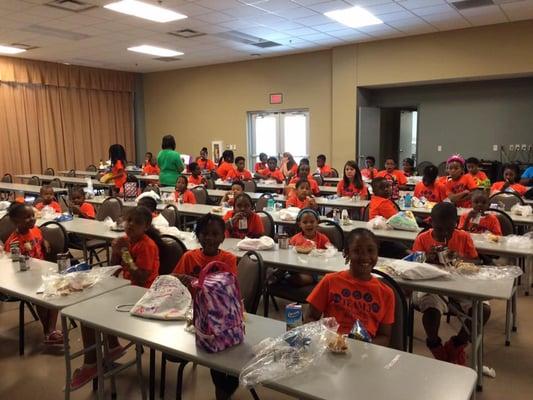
[(218, 312)]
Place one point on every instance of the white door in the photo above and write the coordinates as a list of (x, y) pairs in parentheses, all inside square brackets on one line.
[(408, 135), (369, 135)]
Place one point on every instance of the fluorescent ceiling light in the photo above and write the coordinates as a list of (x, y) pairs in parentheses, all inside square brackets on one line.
[(10, 50), (355, 17), (144, 10), (155, 51)]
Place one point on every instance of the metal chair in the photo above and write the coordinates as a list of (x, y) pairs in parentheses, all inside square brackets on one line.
[(4, 194), (210, 183), (506, 222), (171, 214), (170, 251), (110, 207), (71, 173), (508, 199), (334, 233), (34, 180), (262, 201), (250, 186), (200, 193), (7, 227), (421, 166), (442, 169), (7, 178), (57, 237), (268, 223), (366, 213), (63, 202), (91, 168), (56, 183), (49, 171), (334, 173), (319, 179), (152, 187)]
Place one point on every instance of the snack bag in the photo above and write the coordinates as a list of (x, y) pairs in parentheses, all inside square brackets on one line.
[(106, 178), (359, 332), (404, 220)]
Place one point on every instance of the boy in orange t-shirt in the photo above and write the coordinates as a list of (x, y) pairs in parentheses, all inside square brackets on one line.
[(239, 173), (79, 206), (391, 173), (304, 174), (196, 177), (477, 220), (272, 172), (355, 294), (445, 235), (47, 199), (429, 188), (262, 164), (226, 164), (242, 221), (511, 181), (322, 168), (380, 203), (459, 185), (182, 193), (480, 178), (370, 172), (203, 162), (301, 197), (150, 165)]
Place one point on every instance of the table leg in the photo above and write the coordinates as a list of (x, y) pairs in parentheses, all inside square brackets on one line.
[(99, 364), (476, 358), (152, 374), (138, 355), (66, 347), (21, 328), (84, 249), (480, 346), (528, 267)]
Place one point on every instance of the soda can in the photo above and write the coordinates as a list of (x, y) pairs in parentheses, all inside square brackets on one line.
[(63, 262), (293, 315), (283, 241), (24, 263)]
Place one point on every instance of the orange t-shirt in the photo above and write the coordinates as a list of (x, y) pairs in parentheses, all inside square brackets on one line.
[(442, 180), (187, 196), (200, 180), (255, 227), (381, 206), (293, 169), (205, 164), (488, 222), (394, 175), (314, 186), (320, 240), (479, 177), (243, 175), (30, 244), (460, 242), (369, 173), (294, 201), (87, 211), (348, 299), (465, 182), (193, 261), (224, 170), (145, 254), (351, 190), (150, 169), (435, 192), (54, 204), (276, 174), (514, 188), (117, 168), (325, 170), (259, 166)]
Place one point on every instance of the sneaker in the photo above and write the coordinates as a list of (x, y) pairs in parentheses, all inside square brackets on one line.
[(53, 338), (456, 354), (116, 352), (439, 352), (82, 376)]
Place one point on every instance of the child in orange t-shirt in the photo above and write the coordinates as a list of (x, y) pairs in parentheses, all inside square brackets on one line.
[(262, 164), (225, 164), (480, 178), (239, 173), (459, 185), (308, 220), (477, 220), (117, 155), (304, 174), (444, 234), (301, 197), (31, 243), (321, 167), (242, 221), (355, 294), (429, 188), (79, 206), (510, 183), (391, 173), (150, 165), (380, 203), (408, 167), (237, 187), (352, 182), (196, 177), (47, 199), (182, 193), (203, 162), (272, 172), (370, 172)]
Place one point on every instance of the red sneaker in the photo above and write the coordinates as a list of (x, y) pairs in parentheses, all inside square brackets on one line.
[(82, 376), (439, 353), (53, 338), (456, 354), (116, 352)]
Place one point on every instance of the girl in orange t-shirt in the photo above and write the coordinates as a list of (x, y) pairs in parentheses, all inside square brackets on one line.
[(352, 182), (225, 165), (510, 183), (369, 172), (262, 164), (117, 155), (48, 199), (203, 162), (408, 167), (477, 220), (196, 177), (391, 173), (480, 178), (182, 193), (288, 165), (304, 173), (239, 173), (150, 165), (459, 185), (302, 197), (242, 221), (429, 188)]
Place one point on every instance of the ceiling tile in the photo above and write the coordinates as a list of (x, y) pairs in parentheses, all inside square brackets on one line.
[(301, 31), (218, 5), (333, 26), (518, 11), (191, 9), (485, 15), (294, 13), (314, 20), (215, 17), (277, 5), (395, 16), (447, 21), (438, 9), (412, 4), (386, 8), (329, 6), (245, 11)]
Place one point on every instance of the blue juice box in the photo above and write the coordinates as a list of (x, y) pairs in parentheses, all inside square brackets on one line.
[(293, 315)]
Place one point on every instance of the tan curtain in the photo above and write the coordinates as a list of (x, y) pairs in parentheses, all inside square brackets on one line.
[(59, 116)]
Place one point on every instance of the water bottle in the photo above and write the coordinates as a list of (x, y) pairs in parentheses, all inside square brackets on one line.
[(408, 200), (401, 203), (270, 204), (336, 215)]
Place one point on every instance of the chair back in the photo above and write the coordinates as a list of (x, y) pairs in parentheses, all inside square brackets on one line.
[(214, 175), (506, 222), (62, 199), (71, 173), (334, 233), (442, 169), (200, 193), (111, 207), (130, 190), (171, 214), (7, 178), (49, 171), (400, 327), (57, 237), (250, 270), (421, 166), (334, 173), (7, 227), (366, 213), (268, 223), (250, 186), (152, 187), (34, 180), (319, 180), (56, 183), (170, 251), (508, 199), (261, 202), (91, 168), (210, 183)]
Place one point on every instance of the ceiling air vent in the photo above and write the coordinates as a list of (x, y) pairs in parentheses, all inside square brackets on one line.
[(468, 4), (186, 33), (24, 46), (60, 33), (167, 59), (242, 37), (71, 5)]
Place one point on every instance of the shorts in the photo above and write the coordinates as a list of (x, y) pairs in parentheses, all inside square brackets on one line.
[(424, 301)]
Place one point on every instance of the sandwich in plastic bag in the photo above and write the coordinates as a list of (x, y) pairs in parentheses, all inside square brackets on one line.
[(404, 220)]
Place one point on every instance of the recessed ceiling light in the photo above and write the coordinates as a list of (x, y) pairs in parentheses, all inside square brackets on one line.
[(354, 17), (155, 51), (144, 10), (10, 50)]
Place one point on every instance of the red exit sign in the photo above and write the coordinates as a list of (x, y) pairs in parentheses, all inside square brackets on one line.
[(276, 98)]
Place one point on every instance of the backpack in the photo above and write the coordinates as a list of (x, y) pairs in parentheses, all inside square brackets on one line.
[(218, 311), (395, 187)]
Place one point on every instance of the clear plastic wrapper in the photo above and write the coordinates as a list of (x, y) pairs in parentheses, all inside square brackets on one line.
[(378, 223), (488, 272), (523, 210), (289, 214), (289, 354), (62, 285), (329, 252), (404, 220), (522, 241)]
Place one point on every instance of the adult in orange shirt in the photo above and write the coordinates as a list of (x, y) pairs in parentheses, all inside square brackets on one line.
[(370, 172), (481, 179), (225, 165), (321, 167), (182, 193), (355, 294), (117, 155), (459, 185), (240, 173), (150, 165), (196, 177), (79, 206), (477, 220), (429, 188), (48, 199), (352, 182), (272, 172), (392, 174), (380, 203), (203, 162), (511, 181), (242, 221), (262, 164), (288, 165), (302, 197), (304, 174)]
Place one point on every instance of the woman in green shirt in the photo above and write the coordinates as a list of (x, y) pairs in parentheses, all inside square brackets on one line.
[(169, 161)]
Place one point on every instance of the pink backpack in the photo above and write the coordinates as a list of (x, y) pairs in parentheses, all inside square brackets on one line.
[(218, 312)]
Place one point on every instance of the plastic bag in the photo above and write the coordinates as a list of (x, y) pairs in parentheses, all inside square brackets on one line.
[(4, 205), (404, 220), (523, 210), (107, 178), (160, 222), (491, 272), (523, 241), (62, 285), (48, 212), (378, 223), (150, 194), (289, 214), (263, 243), (415, 270), (288, 354), (167, 299), (108, 222), (328, 252)]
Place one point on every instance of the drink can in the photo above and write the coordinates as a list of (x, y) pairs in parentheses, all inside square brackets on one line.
[(15, 251), (336, 215), (24, 263), (293, 315), (283, 241), (63, 262)]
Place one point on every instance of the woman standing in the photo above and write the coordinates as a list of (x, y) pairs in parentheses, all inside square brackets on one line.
[(169, 161)]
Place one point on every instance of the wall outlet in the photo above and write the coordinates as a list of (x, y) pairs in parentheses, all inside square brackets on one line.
[(530, 147), (439, 148), (494, 147), (517, 147), (511, 147), (524, 147)]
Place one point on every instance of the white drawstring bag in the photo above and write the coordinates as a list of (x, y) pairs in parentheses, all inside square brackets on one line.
[(263, 243), (167, 299)]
